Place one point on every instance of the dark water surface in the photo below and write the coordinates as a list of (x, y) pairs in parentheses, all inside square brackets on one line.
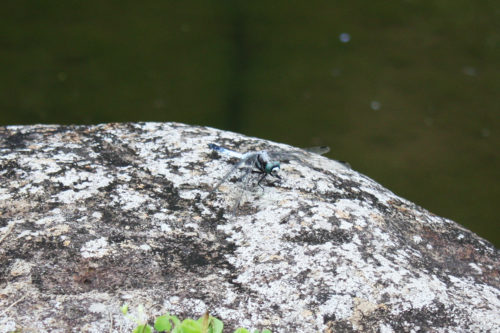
[(408, 92)]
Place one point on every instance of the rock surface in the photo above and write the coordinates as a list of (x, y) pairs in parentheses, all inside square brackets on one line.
[(92, 217)]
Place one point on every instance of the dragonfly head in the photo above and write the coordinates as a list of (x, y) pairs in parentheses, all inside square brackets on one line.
[(272, 168)]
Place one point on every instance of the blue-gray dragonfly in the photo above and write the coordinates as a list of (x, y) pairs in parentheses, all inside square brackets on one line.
[(264, 162)]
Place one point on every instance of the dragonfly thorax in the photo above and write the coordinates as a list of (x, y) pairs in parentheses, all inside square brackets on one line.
[(265, 165)]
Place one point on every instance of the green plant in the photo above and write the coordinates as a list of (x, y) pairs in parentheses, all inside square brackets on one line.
[(171, 324)]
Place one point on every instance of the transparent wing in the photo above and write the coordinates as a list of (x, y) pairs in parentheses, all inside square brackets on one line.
[(298, 155), (284, 155), (245, 185), (248, 159), (289, 156), (323, 150), (225, 151), (227, 175), (318, 149), (301, 157)]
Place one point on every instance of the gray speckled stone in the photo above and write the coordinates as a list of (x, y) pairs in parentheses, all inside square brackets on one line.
[(95, 216)]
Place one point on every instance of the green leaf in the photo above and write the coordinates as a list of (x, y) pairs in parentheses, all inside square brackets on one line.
[(176, 320), (163, 324), (204, 321), (190, 326), (142, 329), (216, 325), (266, 331), (241, 330)]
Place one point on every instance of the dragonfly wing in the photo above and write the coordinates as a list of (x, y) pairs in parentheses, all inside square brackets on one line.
[(298, 155), (225, 151), (318, 149), (323, 150), (248, 159), (245, 184), (226, 176), (290, 156), (283, 155)]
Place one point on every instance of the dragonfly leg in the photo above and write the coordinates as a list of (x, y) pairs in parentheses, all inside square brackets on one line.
[(261, 179)]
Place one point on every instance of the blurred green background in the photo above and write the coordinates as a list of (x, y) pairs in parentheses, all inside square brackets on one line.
[(408, 95)]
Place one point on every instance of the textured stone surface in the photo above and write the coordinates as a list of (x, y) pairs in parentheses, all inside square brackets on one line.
[(95, 216)]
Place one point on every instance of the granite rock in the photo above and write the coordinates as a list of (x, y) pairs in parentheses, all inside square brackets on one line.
[(92, 217)]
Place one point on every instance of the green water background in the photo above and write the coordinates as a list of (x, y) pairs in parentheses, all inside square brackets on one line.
[(412, 99)]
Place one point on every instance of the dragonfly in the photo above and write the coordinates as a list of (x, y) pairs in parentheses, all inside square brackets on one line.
[(264, 162)]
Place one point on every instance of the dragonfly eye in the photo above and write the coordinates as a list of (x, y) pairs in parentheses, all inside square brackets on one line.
[(272, 167)]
